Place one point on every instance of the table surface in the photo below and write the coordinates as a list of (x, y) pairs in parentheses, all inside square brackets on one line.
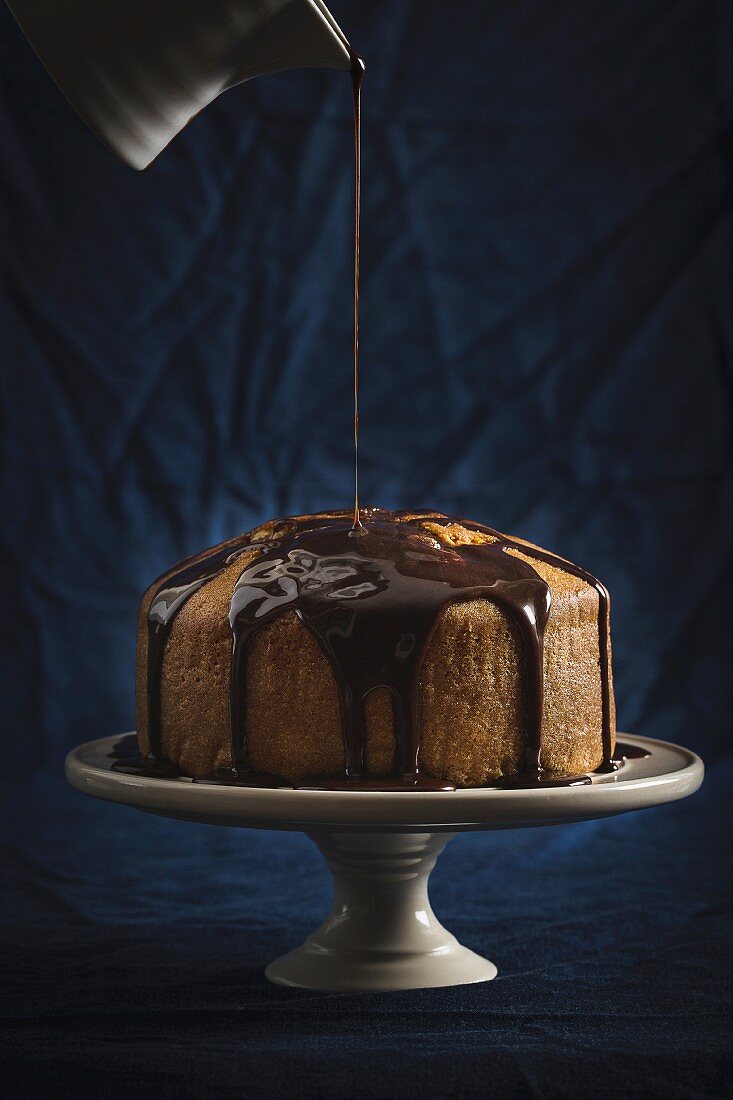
[(133, 952)]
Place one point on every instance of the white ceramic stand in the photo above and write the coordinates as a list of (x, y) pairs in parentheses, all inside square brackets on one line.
[(381, 932), (380, 846)]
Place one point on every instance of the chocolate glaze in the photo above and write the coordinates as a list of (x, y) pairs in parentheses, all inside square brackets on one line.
[(343, 782), (174, 591), (371, 596), (604, 608), (129, 760), (624, 751), (621, 754)]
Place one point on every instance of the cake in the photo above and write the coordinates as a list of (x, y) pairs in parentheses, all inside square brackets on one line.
[(415, 648)]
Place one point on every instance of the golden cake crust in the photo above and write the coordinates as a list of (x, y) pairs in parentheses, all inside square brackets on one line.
[(473, 720)]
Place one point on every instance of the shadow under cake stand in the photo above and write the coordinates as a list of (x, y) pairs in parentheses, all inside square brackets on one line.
[(381, 846)]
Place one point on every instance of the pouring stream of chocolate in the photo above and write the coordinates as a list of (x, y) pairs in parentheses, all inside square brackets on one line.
[(357, 75), (372, 604)]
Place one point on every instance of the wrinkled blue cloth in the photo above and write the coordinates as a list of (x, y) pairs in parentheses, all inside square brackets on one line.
[(547, 340)]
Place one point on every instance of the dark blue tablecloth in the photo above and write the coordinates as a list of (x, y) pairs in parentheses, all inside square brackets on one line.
[(547, 339)]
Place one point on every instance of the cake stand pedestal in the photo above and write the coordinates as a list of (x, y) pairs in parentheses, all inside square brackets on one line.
[(381, 932), (381, 846)]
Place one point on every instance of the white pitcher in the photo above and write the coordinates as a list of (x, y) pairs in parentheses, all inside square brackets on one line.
[(138, 70)]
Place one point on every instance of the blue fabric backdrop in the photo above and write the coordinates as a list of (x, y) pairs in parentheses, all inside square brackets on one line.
[(547, 346)]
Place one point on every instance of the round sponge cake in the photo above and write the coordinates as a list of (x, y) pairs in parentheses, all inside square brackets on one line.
[(473, 721)]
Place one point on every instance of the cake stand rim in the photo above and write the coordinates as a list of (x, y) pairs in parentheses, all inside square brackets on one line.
[(464, 809)]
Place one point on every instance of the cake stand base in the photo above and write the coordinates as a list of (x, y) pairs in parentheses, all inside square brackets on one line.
[(381, 932)]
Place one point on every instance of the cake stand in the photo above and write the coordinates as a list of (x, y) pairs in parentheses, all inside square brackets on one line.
[(381, 932)]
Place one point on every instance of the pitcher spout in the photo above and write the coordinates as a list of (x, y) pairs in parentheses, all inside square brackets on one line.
[(138, 71)]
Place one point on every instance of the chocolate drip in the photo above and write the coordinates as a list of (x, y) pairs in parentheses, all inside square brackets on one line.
[(604, 608), (168, 600), (621, 754), (624, 751)]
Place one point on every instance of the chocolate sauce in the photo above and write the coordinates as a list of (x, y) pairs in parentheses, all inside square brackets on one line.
[(373, 783), (129, 760), (173, 593), (621, 754), (357, 75), (624, 751), (371, 597), (604, 607)]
